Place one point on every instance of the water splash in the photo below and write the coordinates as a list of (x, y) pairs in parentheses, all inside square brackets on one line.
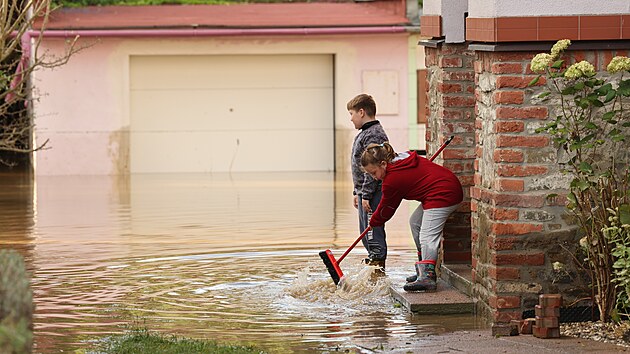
[(359, 285)]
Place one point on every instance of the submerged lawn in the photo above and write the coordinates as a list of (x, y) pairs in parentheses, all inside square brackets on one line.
[(141, 341)]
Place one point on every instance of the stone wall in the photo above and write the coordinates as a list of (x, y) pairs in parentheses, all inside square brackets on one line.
[(520, 226)]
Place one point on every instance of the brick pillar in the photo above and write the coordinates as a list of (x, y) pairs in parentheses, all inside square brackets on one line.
[(519, 229), (451, 100)]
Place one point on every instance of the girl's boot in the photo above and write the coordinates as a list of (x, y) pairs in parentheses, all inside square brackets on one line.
[(427, 279), (412, 278)]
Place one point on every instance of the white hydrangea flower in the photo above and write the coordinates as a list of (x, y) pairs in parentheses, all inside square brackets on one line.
[(559, 47), (540, 62), (584, 242), (618, 64), (581, 69)]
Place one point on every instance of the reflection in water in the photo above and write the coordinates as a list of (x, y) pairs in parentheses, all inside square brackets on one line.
[(225, 257)]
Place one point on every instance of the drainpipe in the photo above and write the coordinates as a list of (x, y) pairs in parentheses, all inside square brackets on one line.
[(210, 32)]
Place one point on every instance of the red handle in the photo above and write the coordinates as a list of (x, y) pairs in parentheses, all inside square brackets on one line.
[(448, 141), (354, 244)]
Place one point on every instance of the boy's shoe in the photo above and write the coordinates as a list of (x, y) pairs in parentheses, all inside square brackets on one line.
[(426, 278), (378, 272)]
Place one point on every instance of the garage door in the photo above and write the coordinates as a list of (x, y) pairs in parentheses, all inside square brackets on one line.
[(235, 113)]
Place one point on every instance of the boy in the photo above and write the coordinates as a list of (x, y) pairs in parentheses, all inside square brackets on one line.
[(367, 190)]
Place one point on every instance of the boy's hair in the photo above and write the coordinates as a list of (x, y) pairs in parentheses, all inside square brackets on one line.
[(365, 102), (377, 153)]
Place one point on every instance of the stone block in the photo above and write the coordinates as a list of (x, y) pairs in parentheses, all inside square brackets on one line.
[(541, 332), (504, 329)]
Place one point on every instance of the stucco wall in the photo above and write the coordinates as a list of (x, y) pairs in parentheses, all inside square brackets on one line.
[(519, 8), (84, 106)]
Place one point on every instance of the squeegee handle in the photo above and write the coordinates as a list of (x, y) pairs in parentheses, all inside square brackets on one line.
[(354, 244), (448, 141)]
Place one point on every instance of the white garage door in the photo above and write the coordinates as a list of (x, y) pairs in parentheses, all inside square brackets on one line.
[(234, 113)]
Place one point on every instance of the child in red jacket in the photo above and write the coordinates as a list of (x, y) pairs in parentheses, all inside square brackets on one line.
[(412, 177)]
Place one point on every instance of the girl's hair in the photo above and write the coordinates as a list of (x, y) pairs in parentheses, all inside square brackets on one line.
[(377, 153)]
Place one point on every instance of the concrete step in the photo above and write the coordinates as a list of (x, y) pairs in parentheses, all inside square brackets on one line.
[(446, 300), (458, 276)]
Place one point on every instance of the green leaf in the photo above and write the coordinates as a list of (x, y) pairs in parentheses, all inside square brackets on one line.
[(569, 90), (597, 103), (604, 90), (579, 86), (557, 64), (534, 81), (610, 96), (572, 198), (586, 167), (624, 214), (544, 94), (591, 126), (624, 88), (609, 115)]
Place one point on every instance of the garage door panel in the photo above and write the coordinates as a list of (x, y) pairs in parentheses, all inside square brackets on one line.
[(228, 110), (231, 151), (231, 113), (218, 71)]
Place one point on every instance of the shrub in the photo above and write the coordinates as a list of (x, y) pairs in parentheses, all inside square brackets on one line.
[(16, 305)]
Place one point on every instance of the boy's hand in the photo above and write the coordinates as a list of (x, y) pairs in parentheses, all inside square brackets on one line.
[(355, 202), (366, 206)]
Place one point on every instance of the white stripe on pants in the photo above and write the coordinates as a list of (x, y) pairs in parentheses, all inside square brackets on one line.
[(426, 228)]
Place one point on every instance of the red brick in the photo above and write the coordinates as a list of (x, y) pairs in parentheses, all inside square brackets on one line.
[(506, 155), (520, 171), (509, 97), (547, 322), (518, 81), (451, 114), (541, 332), (526, 326), (458, 154), (522, 113), (515, 229), (506, 316), (553, 311), (453, 62), (502, 243), (504, 273), (458, 101), (509, 185), (511, 200), (550, 300), (533, 259), (459, 166), (503, 213), (508, 127), (522, 141), (507, 68), (449, 88), (478, 66), (504, 302), (510, 56)]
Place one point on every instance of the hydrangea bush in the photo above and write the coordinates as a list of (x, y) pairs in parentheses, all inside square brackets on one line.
[(592, 125)]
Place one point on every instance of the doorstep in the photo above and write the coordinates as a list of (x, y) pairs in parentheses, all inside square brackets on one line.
[(452, 296)]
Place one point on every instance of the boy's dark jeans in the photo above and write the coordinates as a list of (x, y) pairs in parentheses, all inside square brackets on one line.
[(374, 241)]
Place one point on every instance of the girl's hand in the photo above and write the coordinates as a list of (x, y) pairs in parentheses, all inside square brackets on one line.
[(355, 202)]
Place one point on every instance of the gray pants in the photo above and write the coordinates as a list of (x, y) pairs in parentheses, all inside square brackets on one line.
[(426, 228), (374, 240)]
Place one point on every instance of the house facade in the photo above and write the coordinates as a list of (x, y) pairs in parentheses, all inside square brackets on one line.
[(209, 88)]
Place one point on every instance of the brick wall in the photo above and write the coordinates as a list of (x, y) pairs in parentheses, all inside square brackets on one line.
[(518, 230), (451, 98)]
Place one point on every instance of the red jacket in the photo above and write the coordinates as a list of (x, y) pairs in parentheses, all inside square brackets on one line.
[(416, 178)]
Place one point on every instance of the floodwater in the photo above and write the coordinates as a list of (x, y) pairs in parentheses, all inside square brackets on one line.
[(228, 257)]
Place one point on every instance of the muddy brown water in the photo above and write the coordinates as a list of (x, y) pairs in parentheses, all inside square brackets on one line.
[(228, 257)]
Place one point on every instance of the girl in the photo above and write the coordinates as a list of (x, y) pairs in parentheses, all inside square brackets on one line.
[(409, 176)]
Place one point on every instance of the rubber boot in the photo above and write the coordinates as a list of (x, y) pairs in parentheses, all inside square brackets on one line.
[(412, 278), (427, 279)]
